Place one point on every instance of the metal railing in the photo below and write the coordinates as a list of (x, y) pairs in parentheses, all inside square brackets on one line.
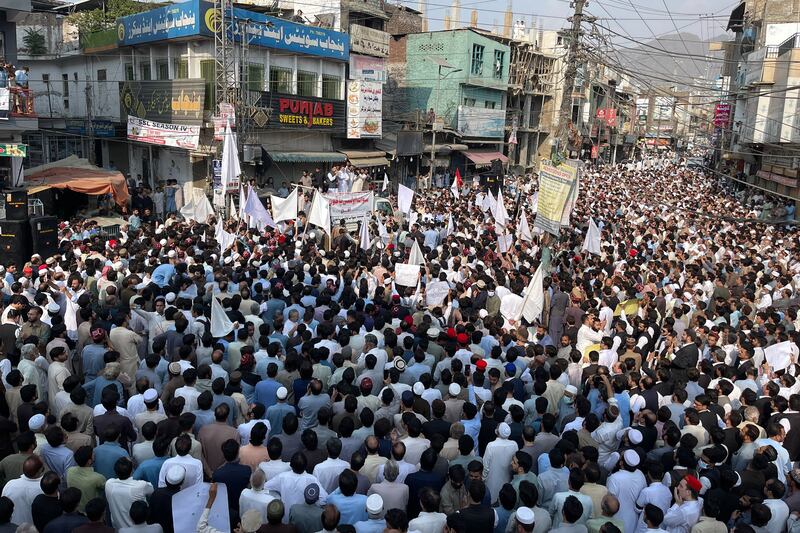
[(21, 102), (789, 44)]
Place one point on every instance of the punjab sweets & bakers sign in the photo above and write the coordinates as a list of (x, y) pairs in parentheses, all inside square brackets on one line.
[(299, 113)]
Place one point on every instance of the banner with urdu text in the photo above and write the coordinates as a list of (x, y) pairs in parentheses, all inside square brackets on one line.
[(555, 188)]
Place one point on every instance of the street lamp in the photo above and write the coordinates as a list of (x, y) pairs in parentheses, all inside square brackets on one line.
[(442, 64)]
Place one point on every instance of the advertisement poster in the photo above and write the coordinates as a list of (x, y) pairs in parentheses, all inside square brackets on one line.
[(175, 135), (304, 113), (369, 41), (367, 68), (364, 110), (175, 102), (482, 122), (555, 189)]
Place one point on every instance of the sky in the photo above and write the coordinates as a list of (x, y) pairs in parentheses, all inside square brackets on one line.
[(553, 13)]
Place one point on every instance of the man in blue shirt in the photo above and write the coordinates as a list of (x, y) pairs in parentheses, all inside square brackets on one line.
[(106, 455), (266, 389), (352, 506), (277, 412), (163, 273), (149, 469)]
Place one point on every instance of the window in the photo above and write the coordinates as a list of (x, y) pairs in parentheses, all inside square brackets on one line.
[(65, 90), (280, 80), (207, 73), (101, 74), (499, 55), (128, 71), (330, 87), (144, 71), (255, 77), (181, 68), (477, 60), (45, 78), (162, 69), (469, 102), (488, 105), (306, 83), (75, 76)]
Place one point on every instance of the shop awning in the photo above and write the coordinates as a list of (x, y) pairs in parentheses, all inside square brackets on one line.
[(445, 148), (484, 158), (366, 158), (80, 176), (307, 157)]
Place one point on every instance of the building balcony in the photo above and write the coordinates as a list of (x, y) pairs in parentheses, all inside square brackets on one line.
[(21, 103), (759, 67)]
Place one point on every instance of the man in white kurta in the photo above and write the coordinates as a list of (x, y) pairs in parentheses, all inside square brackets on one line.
[(497, 460), (56, 374), (606, 434), (291, 486), (626, 484)]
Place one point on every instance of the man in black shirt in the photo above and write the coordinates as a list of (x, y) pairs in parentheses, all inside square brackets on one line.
[(478, 517)]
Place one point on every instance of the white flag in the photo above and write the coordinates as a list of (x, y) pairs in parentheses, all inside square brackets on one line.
[(489, 203), (382, 232), (592, 241), (451, 227), (404, 198), (230, 159), (320, 212), (255, 211), (500, 214), (524, 229), (221, 325), (454, 189), (533, 303), (412, 218), (284, 208), (224, 238), (385, 182), (242, 200), (197, 206), (364, 233), (416, 257), (504, 242)]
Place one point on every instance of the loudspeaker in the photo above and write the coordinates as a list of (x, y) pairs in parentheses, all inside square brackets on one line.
[(497, 167), (44, 234), (15, 242), (16, 204)]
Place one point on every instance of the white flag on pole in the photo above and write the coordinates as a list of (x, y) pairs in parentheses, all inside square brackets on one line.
[(230, 158), (533, 303), (500, 213), (454, 189), (257, 214), (524, 229), (416, 257), (242, 200), (404, 198), (504, 242), (320, 212), (451, 228), (221, 325), (364, 233), (385, 182), (224, 238), (284, 208), (592, 241)]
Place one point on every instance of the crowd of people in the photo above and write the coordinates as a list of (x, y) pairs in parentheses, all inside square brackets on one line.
[(657, 391)]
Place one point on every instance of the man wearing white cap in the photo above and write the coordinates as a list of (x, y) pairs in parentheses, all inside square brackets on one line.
[(375, 522), (626, 485), (277, 412), (497, 460), (453, 404), (524, 519)]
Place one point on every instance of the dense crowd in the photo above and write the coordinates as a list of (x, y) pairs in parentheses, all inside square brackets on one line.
[(657, 392)]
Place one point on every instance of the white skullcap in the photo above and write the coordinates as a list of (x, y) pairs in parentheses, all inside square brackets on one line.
[(53, 307), (36, 422), (572, 389), (150, 395), (525, 516), (175, 475), (171, 254), (281, 393), (163, 242), (483, 313), (635, 436), (374, 504), (454, 389), (504, 430), (170, 297), (631, 458), (418, 388)]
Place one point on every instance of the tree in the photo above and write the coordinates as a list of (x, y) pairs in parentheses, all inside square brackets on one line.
[(105, 16), (34, 41)]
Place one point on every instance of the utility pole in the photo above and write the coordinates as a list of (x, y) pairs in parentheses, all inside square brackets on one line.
[(90, 122), (569, 76)]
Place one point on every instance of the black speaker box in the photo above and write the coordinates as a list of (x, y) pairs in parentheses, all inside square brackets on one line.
[(16, 204), (15, 242), (44, 234)]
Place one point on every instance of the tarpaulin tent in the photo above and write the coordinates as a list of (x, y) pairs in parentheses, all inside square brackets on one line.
[(80, 176)]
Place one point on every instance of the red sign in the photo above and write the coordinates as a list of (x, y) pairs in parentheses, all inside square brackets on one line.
[(722, 114), (611, 118), (601, 113), (595, 152), (305, 112)]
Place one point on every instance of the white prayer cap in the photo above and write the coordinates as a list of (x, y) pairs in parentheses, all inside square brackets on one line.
[(504, 430), (374, 504), (418, 388), (36, 422), (163, 242), (281, 393), (150, 395), (347, 255), (483, 313), (53, 307), (175, 475), (631, 458), (170, 297), (454, 389), (525, 516), (635, 436)]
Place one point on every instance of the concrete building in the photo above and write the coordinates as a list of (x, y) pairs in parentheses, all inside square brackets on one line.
[(764, 132), (17, 109)]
